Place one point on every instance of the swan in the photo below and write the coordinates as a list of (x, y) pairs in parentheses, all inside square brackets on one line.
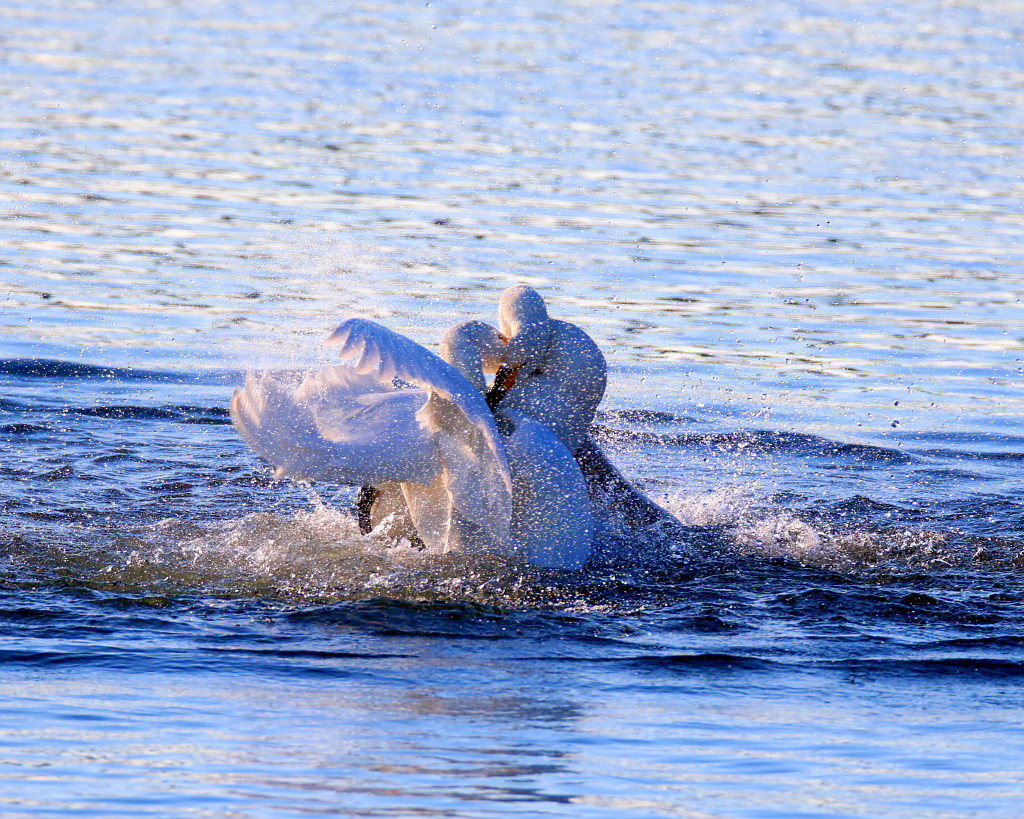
[(552, 521), (419, 430), (554, 372)]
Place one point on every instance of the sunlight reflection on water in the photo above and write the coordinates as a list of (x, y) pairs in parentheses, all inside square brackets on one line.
[(792, 227)]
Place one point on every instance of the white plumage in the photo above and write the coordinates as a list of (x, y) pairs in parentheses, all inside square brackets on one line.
[(402, 416)]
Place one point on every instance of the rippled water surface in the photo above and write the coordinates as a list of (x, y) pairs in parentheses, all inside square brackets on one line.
[(793, 227)]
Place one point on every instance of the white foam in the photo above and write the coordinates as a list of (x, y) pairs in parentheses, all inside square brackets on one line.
[(753, 525), (314, 555)]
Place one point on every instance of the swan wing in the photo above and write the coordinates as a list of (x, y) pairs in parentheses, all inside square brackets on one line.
[(475, 468), (336, 424)]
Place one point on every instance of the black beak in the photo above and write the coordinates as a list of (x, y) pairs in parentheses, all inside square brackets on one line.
[(504, 380)]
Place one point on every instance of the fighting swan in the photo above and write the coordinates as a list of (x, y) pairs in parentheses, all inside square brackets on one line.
[(554, 372), (413, 424)]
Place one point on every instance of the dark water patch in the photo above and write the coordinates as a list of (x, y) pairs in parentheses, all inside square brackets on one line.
[(115, 457), (890, 523), (213, 412), (68, 370), (84, 654), (941, 613), (816, 601), (305, 653), (465, 619), (33, 615), (704, 624), (388, 617), (957, 667), (59, 474), (995, 641), (971, 455), (21, 429), (58, 370), (994, 525), (190, 659), (261, 480), (702, 662), (987, 440), (893, 605), (1003, 596), (756, 441), (182, 413), (64, 629), (944, 474), (129, 412), (123, 413), (862, 505), (170, 486), (49, 658)]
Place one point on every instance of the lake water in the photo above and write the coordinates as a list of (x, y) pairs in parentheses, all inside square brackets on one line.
[(795, 230)]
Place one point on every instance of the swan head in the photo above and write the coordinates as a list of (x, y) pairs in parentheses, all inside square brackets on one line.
[(526, 330), (473, 348), (525, 325), (552, 371)]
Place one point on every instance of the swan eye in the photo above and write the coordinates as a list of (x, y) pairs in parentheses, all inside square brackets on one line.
[(538, 371)]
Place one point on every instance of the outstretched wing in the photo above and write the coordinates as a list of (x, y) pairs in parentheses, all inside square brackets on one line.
[(476, 470), (336, 424)]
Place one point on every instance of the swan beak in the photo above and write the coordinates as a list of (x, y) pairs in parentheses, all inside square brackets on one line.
[(504, 380)]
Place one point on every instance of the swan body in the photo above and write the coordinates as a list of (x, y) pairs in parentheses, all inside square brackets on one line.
[(419, 429), (552, 520)]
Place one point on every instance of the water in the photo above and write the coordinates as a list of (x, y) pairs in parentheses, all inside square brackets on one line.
[(794, 228)]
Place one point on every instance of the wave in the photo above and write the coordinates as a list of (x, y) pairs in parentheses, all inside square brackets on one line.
[(960, 667), (21, 429), (131, 412), (754, 441), (59, 370), (857, 535), (316, 555), (312, 556), (184, 413)]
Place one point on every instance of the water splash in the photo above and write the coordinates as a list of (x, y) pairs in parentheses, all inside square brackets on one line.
[(312, 556), (755, 525)]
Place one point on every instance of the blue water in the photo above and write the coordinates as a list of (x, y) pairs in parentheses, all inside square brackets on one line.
[(795, 230)]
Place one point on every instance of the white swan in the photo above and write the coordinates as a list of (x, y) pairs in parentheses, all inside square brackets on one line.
[(556, 373), (433, 448), (553, 370), (552, 521)]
